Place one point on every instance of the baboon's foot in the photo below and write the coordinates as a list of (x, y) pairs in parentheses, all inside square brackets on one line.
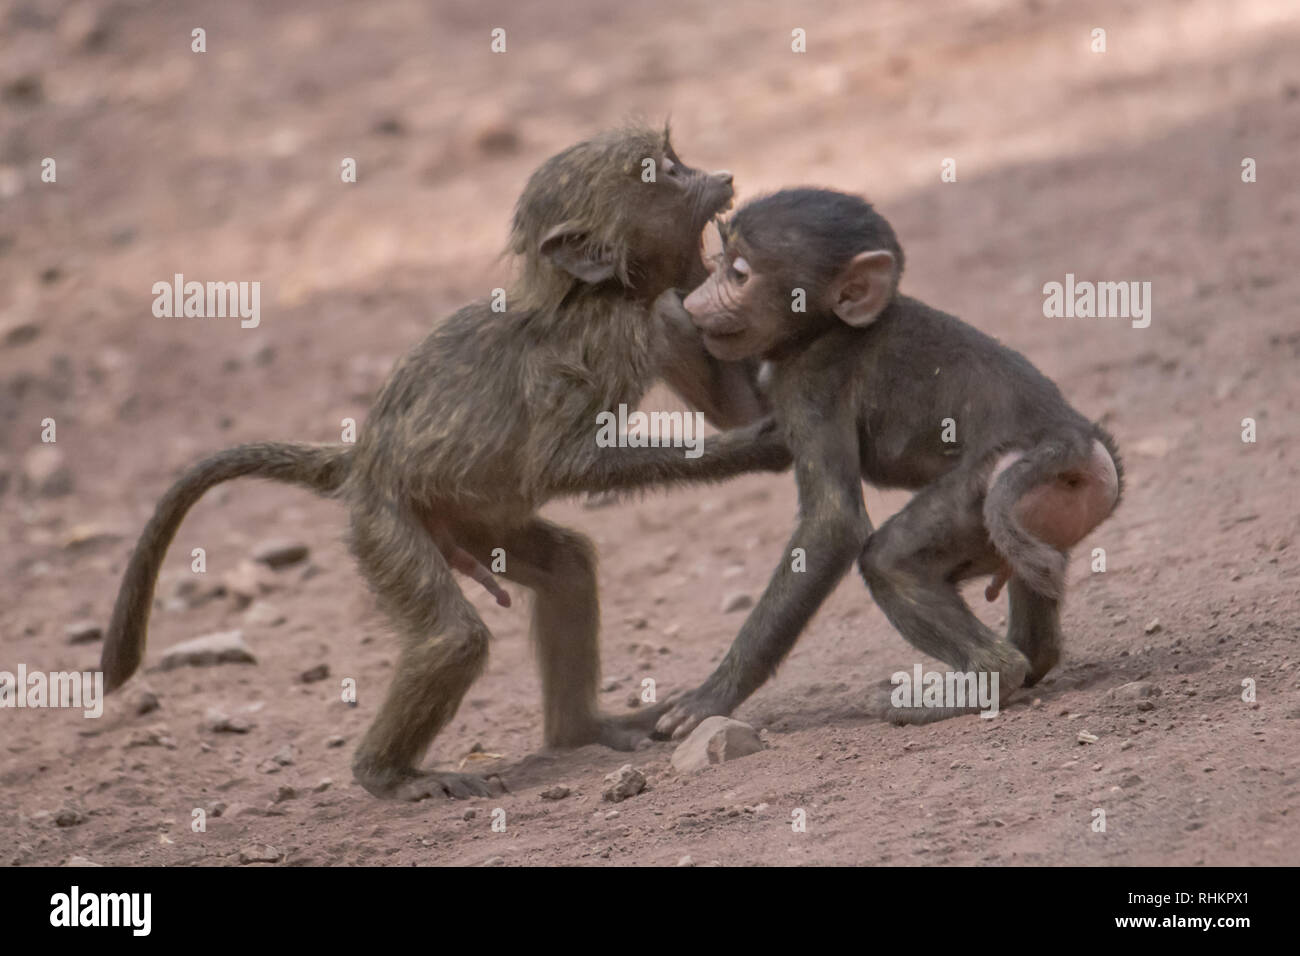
[(624, 732), (686, 712), (1041, 661), (460, 786), (893, 704), (406, 784)]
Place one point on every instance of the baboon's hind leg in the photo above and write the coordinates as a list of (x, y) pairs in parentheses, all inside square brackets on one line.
[(444, 647), (559, 566), (1035, 628)]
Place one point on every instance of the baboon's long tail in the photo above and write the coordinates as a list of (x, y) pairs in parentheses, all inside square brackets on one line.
[(1037, 563), (321, 468)]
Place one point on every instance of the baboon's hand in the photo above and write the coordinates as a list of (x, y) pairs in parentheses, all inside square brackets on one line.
[(759, 441), (686, 712)]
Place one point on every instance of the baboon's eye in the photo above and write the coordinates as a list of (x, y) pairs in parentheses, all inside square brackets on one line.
[(740, 270), (671, 168)]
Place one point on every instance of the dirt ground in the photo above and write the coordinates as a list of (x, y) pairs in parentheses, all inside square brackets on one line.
[(1122, 165)]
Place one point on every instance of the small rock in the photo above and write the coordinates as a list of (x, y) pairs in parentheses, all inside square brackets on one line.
[(1153, 626), (44, 472), (1157, 446), (223, 647), (260, 853), (19, 333), (558, 792), (219, 723), (246, 582), (81, 861), (469, 814), (1087, 738), (279, 553), (1136, 690), (495, 861), (286, 792), (152, 737), (83, 632), (497, 136), (324, 785), (314, 674), (69, 817), (686, 861), (623, 783), (144, 702), (262, 614), (335, 740), (715, 740), (737, 601)]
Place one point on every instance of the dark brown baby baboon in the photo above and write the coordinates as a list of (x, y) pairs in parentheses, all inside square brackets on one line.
[(863, 381), (488, 418)]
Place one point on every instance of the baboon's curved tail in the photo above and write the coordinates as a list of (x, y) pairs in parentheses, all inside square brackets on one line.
[(321, 468), (1034, 561)]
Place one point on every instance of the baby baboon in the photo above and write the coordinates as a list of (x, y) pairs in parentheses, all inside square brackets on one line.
[(479, 425), (862, 382)]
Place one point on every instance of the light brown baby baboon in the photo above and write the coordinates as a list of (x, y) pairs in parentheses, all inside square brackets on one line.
[(488, 418)]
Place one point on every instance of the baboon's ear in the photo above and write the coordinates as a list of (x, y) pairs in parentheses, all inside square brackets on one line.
[(864, 287), (568, 248)]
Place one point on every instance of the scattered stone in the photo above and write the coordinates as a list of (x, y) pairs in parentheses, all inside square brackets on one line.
[(262, 614), (314, 674), (280, 553), (324, 785), (686, 861), (281, 758), (286, 792), (1157, 446), (497, 136), (152, 737), (219, 723), (469, 814), (45, 473), (1087, 738), (335, 740), (260, 853), (81, 861), (83, 632), (715, 740), (1136, 690), (19, 333), (69, 817), (558, 792), (144, 702), (495, 861), (1153, 626), (1145, 705), (246, 582), (623, 783), (737, 601), (222, 647)]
